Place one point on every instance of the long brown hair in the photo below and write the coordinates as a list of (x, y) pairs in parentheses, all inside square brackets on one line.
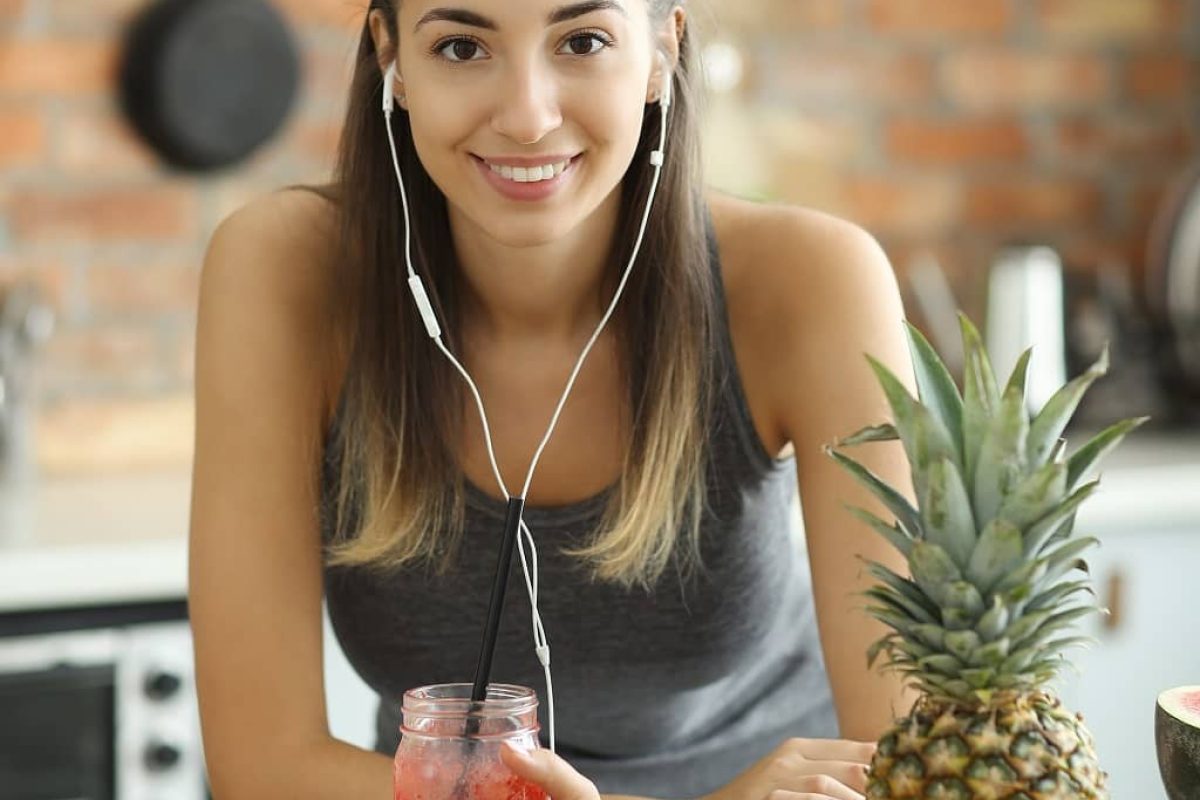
[(403, 401)]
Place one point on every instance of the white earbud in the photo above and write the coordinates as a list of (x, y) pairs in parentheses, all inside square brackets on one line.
[(657, 157), (389, 90)]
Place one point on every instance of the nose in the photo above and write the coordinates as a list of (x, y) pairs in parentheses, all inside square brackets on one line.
[(527, 104)]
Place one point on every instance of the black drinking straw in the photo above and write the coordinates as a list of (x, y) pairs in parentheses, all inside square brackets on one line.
[(483, 669)]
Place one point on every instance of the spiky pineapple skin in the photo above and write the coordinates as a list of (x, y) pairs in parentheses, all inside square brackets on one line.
[(1017, 747)]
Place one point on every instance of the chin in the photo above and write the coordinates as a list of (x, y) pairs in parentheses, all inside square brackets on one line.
[(513, 230), (513, 226)]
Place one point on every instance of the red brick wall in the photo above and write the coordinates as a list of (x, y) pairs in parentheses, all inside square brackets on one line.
[(115, 238), (957, 125), (952, 125)]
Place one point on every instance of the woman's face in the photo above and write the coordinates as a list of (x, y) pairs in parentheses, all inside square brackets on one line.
[(533, 80)]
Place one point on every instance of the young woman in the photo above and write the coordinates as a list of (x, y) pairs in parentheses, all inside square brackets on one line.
[(339, 454)]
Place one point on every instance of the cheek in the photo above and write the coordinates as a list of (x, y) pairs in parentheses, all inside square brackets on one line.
[(617, 127), (439, 127)]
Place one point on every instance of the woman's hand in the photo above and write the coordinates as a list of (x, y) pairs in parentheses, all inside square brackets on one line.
[(805, 769), (799, 769), (550, 771)]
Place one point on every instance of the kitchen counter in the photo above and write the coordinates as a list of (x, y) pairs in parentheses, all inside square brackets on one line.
[(100, 539), (104, 539)]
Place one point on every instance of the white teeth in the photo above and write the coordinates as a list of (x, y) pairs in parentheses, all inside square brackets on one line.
[(529, 174)]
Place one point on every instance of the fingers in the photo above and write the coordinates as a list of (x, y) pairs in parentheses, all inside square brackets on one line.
[(833, 749), (851, 773), (549, 771)]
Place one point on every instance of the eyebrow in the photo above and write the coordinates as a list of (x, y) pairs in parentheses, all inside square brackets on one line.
[(560, 14)]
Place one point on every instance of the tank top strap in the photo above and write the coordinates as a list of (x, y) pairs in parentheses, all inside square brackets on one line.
[(733, 405)]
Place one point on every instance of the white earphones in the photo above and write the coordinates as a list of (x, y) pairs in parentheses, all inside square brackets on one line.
[(541, 644)]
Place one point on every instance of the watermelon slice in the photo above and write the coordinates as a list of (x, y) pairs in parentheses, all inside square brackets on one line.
[(1177, 738)]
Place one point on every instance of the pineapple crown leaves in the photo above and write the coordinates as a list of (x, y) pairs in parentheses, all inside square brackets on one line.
[(990, 539)]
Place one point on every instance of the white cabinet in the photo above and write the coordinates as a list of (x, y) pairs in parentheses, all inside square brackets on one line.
[(351, 703), (1148, 578)]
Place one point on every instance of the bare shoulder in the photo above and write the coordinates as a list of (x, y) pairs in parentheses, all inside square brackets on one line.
[(771, 250), (275, 254), (808, 293), (286, 233)]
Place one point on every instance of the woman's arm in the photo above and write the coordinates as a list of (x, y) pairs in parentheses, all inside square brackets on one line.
[(254, 544), (841, 300)]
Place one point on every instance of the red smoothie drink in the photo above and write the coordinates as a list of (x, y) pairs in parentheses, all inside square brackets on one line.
[(439, 760)]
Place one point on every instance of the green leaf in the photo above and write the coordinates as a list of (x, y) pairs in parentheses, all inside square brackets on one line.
[(905, 514), (946, 511), (933, 636), (979, 678), (1057, 622), (878, 647), (993, 621), (1059, 645), (1037, 494), (1064, 559), (939, 686), (899, 602), (894, 534), (1027, 624), (925, 437), (980, 396), (935, 386), (1018, 661), (1018, 585), (933, 570), (962, 644), (913, 650), (963, 596), (957, 619), (1082, 462), (991, 654), (1040, 533), (903, 585), (1019, 379), (1052, 420), (996, 555), (1055, 595), (891, 617), (1061, 534), (1001, 457), (873, 433), (944, 663)]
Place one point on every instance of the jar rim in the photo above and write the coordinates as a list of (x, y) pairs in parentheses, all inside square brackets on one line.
[(454, 700)]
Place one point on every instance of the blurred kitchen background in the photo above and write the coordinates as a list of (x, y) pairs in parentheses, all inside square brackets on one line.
[(1033, 162)]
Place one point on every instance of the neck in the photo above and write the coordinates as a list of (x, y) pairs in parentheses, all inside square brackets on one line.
[(548, 291)]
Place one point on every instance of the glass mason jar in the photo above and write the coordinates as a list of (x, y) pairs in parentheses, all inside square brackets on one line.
[(440, 759)]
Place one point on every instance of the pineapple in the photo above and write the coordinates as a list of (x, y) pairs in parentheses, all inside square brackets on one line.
[(979, 626)]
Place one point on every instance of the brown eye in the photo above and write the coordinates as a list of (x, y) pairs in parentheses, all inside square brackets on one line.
[(579, 44), (461, 48)]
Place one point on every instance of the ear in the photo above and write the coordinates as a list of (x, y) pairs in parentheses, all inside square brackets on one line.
[(385, 51), (667, 41)]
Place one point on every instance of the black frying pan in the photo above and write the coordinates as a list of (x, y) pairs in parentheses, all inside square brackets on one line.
[(207, 82)]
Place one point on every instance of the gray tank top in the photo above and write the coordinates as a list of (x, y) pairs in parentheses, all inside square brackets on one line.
[(670, 694)]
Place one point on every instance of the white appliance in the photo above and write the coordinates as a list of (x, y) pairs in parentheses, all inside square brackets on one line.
[(103, 713)]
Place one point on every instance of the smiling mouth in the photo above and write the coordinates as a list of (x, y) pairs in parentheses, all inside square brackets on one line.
[(527, 175)]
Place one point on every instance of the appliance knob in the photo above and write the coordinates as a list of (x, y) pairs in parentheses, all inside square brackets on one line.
[(162, 685), (160, 756)]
